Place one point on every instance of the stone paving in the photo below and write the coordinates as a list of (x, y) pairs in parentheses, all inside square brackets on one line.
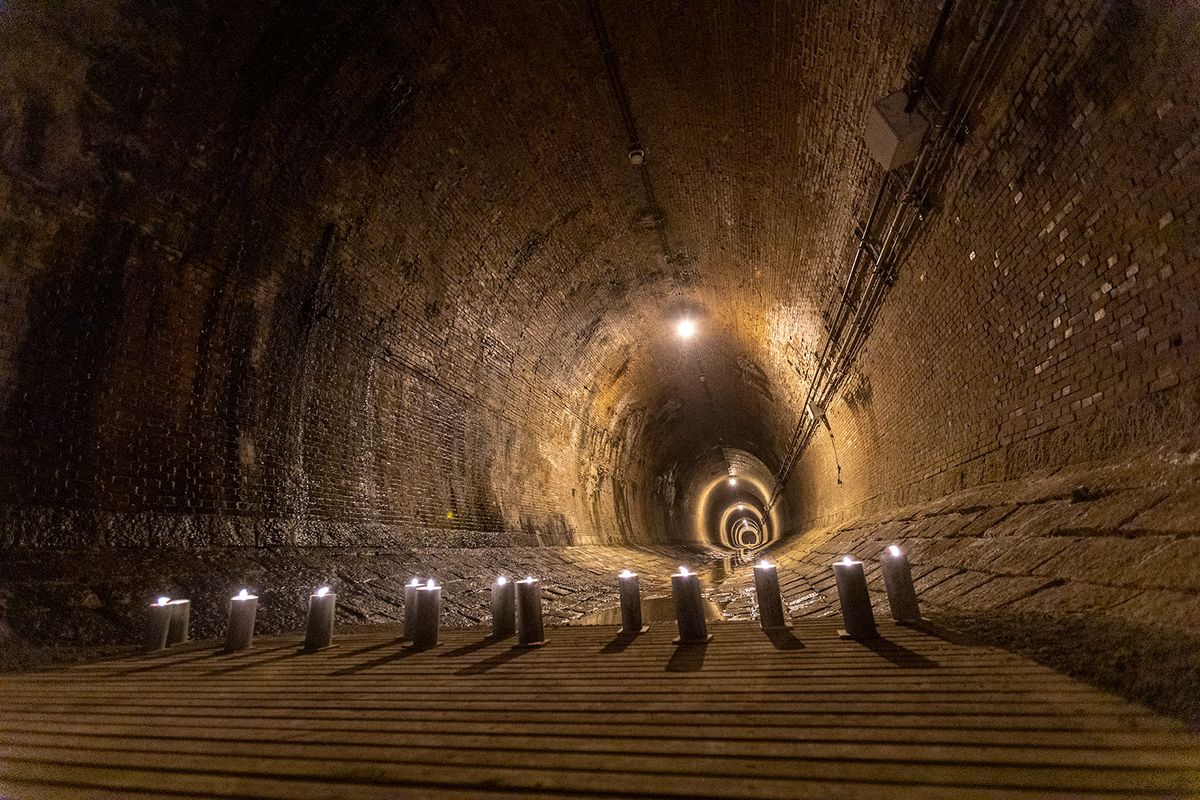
[(1118, 540), (99, 597), (1098, 560)]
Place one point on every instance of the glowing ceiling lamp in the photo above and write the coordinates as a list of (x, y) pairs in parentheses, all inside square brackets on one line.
[(686, 328)]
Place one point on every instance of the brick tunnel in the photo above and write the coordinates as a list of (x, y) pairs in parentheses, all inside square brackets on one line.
[(310, 293)]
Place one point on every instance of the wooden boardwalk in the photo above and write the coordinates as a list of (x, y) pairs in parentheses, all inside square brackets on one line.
[(802, 715)]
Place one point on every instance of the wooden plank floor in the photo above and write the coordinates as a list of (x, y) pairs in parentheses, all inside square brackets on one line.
[(806, 715)]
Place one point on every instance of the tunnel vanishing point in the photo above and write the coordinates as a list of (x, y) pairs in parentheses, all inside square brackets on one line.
[(296, 293)]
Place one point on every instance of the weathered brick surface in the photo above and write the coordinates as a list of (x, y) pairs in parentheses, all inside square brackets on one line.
[(1034, 560), (350, 264), (1049, 312), (351, 274), (68, 596)]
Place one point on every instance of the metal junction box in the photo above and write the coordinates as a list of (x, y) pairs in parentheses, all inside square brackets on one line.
[(893, 136)]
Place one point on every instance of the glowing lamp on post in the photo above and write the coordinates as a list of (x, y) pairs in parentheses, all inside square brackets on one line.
[(689, 608), (770, 601), (158, 626), (410, 606), (631, 604), (181, 612), (897, 578), (239, 634), (318, 633), (504, 604), (428, 614), (854, 599)]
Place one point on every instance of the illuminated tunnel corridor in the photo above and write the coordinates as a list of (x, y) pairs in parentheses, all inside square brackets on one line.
[(313, 293)]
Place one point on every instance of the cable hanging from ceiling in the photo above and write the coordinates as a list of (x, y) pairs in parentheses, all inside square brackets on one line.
[(945, 96), (653, 217)]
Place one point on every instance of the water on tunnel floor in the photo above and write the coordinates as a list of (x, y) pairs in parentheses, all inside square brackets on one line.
[(662, 609), (654, 609)]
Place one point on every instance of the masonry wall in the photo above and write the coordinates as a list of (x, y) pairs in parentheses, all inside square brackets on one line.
[(347, 274), (351, 274), (236, 312), (1050, 311)]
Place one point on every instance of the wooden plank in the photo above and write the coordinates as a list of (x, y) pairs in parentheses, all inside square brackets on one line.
[(217, 740), (241, 726), (581, 772), (64, 781), (916, 716)]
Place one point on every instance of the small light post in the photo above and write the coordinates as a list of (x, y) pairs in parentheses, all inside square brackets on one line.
[(854, 599), (318, 633), (770, 602), (239, 635), (504, 608), (897, 577), (689, 608), (530, 632), (631, 604)]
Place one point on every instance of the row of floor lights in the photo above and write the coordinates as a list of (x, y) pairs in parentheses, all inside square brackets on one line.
[(517, 608)]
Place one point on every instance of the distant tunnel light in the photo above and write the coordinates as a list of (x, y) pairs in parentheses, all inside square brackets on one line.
[(686, 328), (733, 481)]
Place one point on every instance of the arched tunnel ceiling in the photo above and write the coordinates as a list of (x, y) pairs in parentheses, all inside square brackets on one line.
[(509, 212), (449, 187)]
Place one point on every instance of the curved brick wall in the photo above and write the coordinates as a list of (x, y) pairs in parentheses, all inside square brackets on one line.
[(1050, 312), (276, 275), (367, 276)]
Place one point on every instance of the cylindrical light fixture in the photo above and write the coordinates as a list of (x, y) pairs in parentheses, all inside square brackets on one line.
[(319, 632), (689, 607), (410, 606), (770, 602), (181, 614), (854, 599), (158, 625), (428, 614), (631, 603), (239, 635), (529, 613), (504, 608), (897, 577)]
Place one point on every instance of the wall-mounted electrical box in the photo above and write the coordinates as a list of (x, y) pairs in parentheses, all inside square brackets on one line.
[(893, 136)]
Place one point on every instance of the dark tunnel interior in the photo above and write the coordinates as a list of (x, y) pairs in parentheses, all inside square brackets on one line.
[(347, 291)]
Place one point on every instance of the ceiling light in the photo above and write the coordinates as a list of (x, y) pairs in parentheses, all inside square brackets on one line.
[(686, 328)]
